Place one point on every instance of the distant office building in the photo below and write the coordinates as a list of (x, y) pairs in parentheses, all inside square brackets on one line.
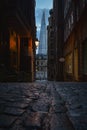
[(41, 67)]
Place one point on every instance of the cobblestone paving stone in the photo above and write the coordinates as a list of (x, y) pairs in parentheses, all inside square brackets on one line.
[(57, 117), (43, 106), (75, 96), (23, 106)]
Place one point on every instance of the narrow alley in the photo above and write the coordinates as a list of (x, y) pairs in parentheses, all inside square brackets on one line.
[(43, 65), (43, 105)]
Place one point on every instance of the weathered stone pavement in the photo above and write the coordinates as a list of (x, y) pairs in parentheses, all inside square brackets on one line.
[(75, 97), (43, 106), (23, 106)]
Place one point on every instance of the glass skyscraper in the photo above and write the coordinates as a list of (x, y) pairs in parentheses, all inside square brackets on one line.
[(43, 36)]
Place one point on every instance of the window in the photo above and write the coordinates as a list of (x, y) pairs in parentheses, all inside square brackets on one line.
[(68, 63)]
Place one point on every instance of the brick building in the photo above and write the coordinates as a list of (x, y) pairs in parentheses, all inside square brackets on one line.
[(17, 36)]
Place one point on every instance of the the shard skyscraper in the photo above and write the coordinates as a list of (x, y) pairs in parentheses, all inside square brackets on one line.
[(41, 59), (42, 50)]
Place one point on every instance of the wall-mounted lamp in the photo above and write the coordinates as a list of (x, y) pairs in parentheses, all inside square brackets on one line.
[(62, 59), (37, 42)]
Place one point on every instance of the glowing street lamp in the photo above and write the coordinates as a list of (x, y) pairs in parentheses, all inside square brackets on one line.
[(36, 46), (37, 42)]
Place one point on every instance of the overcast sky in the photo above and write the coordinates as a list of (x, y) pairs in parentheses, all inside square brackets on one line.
[(44, 4)]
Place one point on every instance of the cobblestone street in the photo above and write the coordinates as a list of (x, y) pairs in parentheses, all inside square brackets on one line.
[(43, 106)]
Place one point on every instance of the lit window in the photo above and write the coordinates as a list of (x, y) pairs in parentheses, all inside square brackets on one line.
[(85, 58)]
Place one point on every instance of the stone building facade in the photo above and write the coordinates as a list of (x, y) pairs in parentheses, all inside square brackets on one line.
[(17, 36), (70, 40), (51, 48), (41, 67), (75, 40), (58, 9), (56, 36)]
